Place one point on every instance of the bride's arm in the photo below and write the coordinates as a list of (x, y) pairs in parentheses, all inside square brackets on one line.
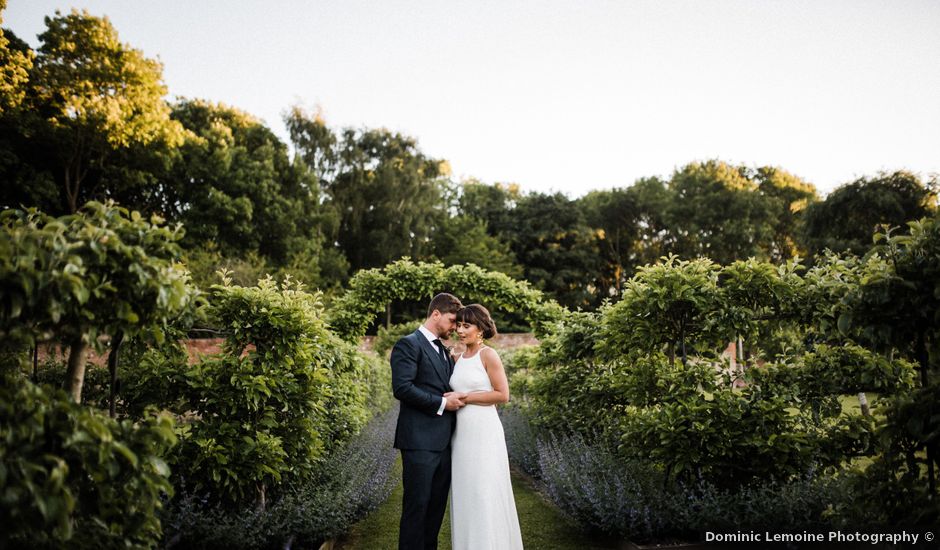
[(496, 372)]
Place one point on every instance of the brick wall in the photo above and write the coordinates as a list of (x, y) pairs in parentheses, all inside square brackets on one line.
[(212, 346)]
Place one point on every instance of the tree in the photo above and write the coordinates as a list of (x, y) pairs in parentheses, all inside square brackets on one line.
[(655, 238), (788, 198), (236, 186), (101, 271), (25, 177), (463, 240), (556, 247), (493, 204), (896, 306), (716, 212), (314, 141), (387, 195), (614, 216), (849, 216), (94, 97), (15, 64), (669, 303)]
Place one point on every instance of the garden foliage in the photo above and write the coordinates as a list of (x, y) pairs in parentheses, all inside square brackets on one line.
[(780, 423), (102, 272), (371, 290), (253, 425), (354, 480), (72, 476)]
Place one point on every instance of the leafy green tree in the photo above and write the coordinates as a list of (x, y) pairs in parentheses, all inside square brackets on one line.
[(74, 478), (670, 304), (850, 215), (716, 212), (314, 140), (284, 393), (388, 197), (15, 64), (94, 97), (757, 298), (614, 215), (26, 178), (237, 187), (493, 204), (655, 239), (102, 271), (556, 247), (895, 308), (463, 240), (788, 197)]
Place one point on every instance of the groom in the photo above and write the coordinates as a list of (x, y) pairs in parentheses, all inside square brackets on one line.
[(421, 369)]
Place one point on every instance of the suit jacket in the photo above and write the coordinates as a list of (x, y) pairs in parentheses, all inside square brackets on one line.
[(420, 377)]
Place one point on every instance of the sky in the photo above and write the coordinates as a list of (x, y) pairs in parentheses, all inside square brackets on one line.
[(567, 96)]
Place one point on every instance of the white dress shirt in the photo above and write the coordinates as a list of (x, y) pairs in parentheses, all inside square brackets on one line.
[(431, 338)]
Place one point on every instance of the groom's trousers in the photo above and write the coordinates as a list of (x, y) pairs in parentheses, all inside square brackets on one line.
[(426, 481)]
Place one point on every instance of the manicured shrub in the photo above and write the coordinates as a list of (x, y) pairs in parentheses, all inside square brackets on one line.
[(350, 483), (102, 271), (72, 477), (386, 338), (371, 290), (281, 395)]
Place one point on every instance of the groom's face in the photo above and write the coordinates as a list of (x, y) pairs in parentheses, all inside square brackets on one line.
[(444, 323)]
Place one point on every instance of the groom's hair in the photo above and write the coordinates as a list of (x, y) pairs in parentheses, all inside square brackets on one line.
[(445, 303)]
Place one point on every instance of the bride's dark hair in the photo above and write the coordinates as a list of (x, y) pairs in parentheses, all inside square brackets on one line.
[(477, 315)]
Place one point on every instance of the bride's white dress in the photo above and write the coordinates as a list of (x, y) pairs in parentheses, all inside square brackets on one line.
[(482, 509)]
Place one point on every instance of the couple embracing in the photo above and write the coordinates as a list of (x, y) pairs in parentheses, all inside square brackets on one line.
[(449, 433)]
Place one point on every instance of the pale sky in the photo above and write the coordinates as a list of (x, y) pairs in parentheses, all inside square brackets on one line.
[(568, 96)]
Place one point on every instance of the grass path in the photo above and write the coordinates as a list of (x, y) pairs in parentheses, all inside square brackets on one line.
[(543, 526)]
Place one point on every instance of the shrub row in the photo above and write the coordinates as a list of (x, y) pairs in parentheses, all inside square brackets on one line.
[(628, 498), (70, 475), (352, 481)]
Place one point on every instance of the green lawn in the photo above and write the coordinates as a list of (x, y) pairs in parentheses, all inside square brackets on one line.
[(542, 525)]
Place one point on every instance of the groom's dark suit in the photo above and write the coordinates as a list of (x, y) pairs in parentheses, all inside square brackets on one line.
[(420, 377)]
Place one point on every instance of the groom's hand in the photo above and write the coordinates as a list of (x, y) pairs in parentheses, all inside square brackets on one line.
[(455, 400)]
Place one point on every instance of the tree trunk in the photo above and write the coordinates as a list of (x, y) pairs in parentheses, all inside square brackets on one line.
[(388, 316), (923, 360), (113, 368), (36, 362), (682, 343), (262, 497), (69, 196), (863, 403), (75, 377)]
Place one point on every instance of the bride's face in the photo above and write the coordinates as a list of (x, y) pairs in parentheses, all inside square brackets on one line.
[(468, 333)]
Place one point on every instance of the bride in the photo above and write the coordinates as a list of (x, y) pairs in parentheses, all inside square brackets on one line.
[(483, 511)]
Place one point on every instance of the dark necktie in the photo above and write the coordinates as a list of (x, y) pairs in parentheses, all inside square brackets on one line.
[(441, 352)]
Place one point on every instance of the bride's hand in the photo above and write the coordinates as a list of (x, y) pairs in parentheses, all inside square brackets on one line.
[(455, 400), (458, 394)]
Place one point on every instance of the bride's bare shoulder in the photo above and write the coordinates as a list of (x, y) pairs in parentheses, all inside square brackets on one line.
[(488, 354)]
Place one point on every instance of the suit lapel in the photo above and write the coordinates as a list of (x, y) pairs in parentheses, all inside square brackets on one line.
[(443, 371)]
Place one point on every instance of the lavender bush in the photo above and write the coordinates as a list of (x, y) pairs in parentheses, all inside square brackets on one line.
[(521, 441), (604, 492), (799, 504), (600, 491), (352, 482)]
